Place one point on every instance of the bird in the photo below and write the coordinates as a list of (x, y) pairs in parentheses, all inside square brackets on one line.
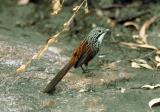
[(82, 55)]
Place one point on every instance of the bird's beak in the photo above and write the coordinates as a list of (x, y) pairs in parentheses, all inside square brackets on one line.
[(108, 31)]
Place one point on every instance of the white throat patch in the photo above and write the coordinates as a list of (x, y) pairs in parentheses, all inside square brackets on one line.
[(101, 38)]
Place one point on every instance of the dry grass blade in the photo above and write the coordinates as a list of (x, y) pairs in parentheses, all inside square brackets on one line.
[(142, 32), (147, 46), (138, 63), (134, 45), (131, 45), (151, 87), (154, 102), (56, 7), (86, 8), (146, 66), (130, 23), (112, 65)]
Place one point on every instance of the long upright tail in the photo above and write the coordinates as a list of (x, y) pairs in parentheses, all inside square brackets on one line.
[(51, 86)]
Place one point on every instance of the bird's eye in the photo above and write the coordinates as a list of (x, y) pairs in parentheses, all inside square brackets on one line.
[(100, 31)]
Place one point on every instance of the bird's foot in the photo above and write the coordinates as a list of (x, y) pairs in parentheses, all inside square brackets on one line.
[(84, 70), (87, 72)]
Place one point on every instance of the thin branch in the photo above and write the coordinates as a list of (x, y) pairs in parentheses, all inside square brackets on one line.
[(50, 41)]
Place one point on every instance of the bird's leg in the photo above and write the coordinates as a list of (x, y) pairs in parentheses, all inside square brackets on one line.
[(89, 74), (84, 71)]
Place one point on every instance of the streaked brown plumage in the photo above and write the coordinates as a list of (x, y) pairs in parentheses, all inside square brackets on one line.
[(84, 53)]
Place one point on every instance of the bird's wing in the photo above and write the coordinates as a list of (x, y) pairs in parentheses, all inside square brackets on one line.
[(85, 57)]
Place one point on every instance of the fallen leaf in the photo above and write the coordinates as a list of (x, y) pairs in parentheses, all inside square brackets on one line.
[(138, 63), (146, 66), (102, 56), (123, 90), (99, 13), (130, 23), (86, 8), (142, 32), (135, 65), (158, 51), (83, 90), (23, 2), (56, 6), (157, 58), (158, 65), (141, 61), (154, 102), (135, 36)]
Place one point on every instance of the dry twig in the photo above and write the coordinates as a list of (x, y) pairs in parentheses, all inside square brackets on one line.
[(51, 39)]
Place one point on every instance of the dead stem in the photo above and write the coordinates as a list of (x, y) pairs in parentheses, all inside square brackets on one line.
[(51, 40)]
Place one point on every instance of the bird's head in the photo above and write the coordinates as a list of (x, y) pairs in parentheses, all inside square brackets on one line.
[(97, 34)]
